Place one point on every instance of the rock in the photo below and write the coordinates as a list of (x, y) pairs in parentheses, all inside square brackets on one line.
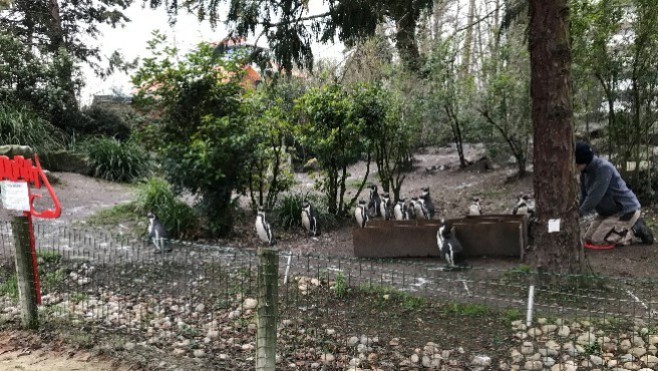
[(394, 342), (129, 346), (352, 341), (649, 360), (625, 345), (250, 303), (563, 331), (609, 347), (653, 339), (327, 358), (631, 366), (534, 332), (200, 308), (638, 351), (533, 365), (596, 360), (534, 357), (516, 356), (587, 338), (198, 353), (549, 328), (414, 358), (527, 348), (548, 361), (542, 321), (481, 361), (178, 352), (566, 366), (311, 165)]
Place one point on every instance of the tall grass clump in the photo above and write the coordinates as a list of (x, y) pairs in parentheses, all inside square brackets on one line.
[(19, 125), (179, 218), (288, 211), (116, 161)]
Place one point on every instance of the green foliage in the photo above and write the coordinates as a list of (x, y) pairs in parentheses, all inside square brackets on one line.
[(114, 215), (10, 287), (333, 130), (340, 286), (512, 315), (19, 125), (49, 257), (468, 310), (116, 161), (106, 122), (270, 129), (79, 297), (204, 143), (51, 280), (178, 218)]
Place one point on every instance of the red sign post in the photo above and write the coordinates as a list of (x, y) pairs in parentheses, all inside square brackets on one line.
[(20, 169)]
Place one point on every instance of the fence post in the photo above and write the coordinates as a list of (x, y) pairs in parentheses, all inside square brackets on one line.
[(25, 273), (268, 283)]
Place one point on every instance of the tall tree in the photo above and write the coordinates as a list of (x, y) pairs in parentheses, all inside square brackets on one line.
[(55, 29), (290, 28), (552, 117)]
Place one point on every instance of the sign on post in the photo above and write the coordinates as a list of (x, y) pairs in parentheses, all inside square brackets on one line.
[(15, 195), (15, 177)]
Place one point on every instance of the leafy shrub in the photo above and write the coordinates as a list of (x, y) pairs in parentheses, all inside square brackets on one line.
[(288, 211), (116, 161), (19, 125), (178, 218), (106, 121)]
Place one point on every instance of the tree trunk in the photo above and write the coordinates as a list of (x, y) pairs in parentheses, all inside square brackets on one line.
[(552, 118)]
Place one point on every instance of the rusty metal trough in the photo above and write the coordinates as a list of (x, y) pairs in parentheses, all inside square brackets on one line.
[(484, 235)]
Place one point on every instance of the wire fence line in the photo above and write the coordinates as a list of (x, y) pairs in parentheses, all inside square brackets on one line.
[(196, 306)]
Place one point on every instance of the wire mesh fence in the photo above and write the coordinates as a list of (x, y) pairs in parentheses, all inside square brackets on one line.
[(196, 308)]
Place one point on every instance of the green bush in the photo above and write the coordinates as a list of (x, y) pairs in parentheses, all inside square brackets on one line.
[(19, 125), (180, 220), (116, 161), (288, 211), (106, 121)]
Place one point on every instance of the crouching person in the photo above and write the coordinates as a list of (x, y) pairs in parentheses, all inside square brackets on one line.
[(618, 220)]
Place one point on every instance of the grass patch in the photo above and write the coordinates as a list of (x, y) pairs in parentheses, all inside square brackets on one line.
[(114, 215), (10, 287), (50, 281), (340, 286), (79, 297), (49, 257), (512, 315)]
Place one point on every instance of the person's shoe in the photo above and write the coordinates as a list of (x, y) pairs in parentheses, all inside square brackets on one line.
[(643, 232)]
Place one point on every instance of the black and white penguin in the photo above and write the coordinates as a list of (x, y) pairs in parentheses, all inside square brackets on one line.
[(385, 206), (309, 221), (400, 210), (449, 246), (158, 234), (374, 201), (411, 208), (427, 202), (475, 208), (361, 213), (418, 208), (263, 228), (524, 206)]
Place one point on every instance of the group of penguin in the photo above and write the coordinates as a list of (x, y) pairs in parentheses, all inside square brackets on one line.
[(420, 207), (449, 246)]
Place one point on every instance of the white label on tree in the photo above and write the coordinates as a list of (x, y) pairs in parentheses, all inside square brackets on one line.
[(15, 195), (553, 225)]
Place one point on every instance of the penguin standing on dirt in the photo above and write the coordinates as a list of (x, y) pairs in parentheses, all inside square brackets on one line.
[(361, 214), (411, 208), (427, 201), (524, 206), (309, 221), (385, 206), (418, 208), (450, 248), (475, 208), (263, 228), (374, 201), (158, 234), (400, 210)]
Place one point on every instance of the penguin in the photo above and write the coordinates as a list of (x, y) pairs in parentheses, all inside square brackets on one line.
[(427, 201), (424, 212), (400, 210), (411, 209), (309, 221), (158, 234), (361, 214), (418, 208), (263, 228), (374, 201), (450, 248), (385, 206), (475, 208), (524, 206)]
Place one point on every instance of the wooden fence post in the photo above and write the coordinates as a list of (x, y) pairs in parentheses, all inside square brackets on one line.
[(268, 295), (25, 273)]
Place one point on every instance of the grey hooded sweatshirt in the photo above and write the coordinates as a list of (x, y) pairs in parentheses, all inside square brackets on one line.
[(604, 191)]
